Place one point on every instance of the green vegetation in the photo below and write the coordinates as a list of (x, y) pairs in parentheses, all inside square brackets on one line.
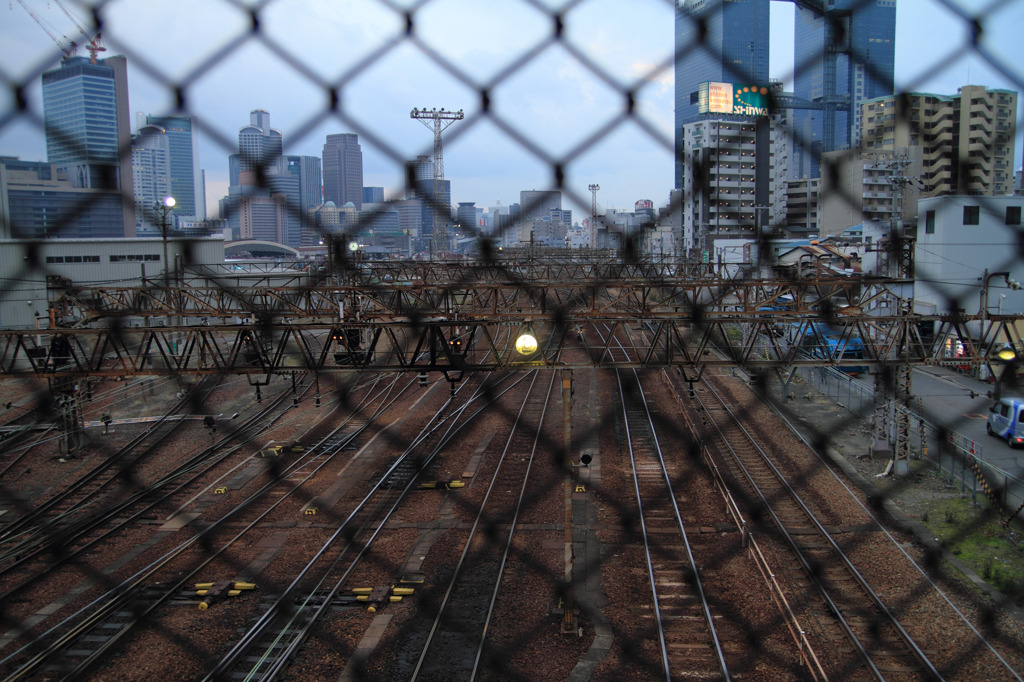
[(981, 543)]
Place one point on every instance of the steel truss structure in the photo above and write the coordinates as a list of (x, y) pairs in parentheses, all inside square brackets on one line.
[(458, 317)]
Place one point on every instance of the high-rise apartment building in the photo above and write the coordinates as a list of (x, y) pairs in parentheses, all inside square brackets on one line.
[(186, 178), (839, 72), (860, 188), (966, 139), (85, 113), (719, 179), (716, 41), (343, 169)]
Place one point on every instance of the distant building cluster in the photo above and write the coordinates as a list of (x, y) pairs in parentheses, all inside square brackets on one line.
[(752, 161)]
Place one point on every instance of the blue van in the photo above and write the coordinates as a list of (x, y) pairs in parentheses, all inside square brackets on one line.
[(1006, 420)]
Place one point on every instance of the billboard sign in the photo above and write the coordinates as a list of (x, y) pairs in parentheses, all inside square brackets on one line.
[(733, 99)]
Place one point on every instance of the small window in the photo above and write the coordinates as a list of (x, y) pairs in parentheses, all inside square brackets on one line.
[(1004, 410), (929, 222), (972, 215), (1013, 215)]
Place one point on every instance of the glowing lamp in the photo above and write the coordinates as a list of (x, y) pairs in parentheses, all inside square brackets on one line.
[(1006, 354), (526, 344)]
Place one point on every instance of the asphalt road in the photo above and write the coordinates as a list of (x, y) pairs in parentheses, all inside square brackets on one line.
[(943, 396)]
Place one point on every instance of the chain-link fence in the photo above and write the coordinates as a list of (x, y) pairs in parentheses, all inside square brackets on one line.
[(68, 384)]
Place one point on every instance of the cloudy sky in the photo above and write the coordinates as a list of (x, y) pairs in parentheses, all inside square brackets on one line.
[(550, 101)]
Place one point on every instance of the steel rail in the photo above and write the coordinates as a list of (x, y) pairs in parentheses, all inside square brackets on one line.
[(115, 512), (896, 544), (698, 584), (229, 660), (911, 645), (126, 592), (457, 573)]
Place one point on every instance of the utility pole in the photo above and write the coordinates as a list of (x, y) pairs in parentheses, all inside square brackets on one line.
[(898, 248), (438, 121), (593, 214)]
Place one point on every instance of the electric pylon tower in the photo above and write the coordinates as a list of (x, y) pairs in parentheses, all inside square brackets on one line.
[(897, 259), (593, 214), (438, 121)]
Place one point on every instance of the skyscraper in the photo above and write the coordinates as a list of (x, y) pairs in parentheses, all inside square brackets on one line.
[(186, 180), (151, 176), (259, 149), (734, 50), (259, 145), (343, 169), (840, 74), (88, 131)]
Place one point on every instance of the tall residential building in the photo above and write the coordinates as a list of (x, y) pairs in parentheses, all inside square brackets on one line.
[(862, 68), (860, 189), (151, 178), (719, 179), (85, 113), (343, 169), (803, 206), (966, 139), (716, 41), (186, 178), (258, 158)]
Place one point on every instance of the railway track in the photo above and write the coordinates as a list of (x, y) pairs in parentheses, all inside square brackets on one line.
[(691, 644), (863, 637), (81, 641), (454, 646), (269, 645), (59, 536)]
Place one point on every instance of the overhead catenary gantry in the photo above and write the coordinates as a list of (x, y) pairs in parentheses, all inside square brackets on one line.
[(456, 318)]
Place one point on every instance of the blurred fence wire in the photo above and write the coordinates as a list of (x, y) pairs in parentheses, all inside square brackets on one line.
[(19, 112)]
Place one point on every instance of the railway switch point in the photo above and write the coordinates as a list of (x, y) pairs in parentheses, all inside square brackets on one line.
[(214, 592)]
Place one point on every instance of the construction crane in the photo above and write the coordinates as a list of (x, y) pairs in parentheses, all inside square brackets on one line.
[(93, 43), (68, 47), (437, 121)]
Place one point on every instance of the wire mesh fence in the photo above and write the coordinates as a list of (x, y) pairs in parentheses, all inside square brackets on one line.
[(235, 30)]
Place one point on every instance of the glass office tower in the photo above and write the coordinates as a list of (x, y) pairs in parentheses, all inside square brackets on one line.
[(734, 50), (861, 68)]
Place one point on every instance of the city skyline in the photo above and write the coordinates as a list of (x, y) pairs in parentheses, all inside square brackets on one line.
[(554, 102)]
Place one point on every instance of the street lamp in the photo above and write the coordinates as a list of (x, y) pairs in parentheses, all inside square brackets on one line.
[(164, 207)]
